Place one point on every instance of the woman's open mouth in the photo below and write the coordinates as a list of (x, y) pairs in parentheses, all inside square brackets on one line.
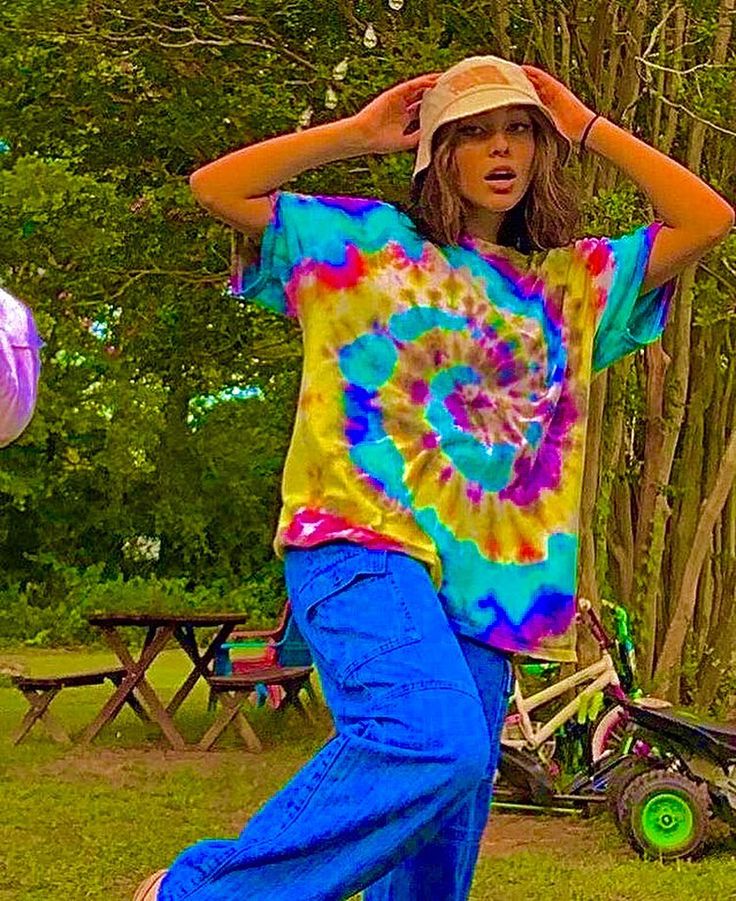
[(501, 181)]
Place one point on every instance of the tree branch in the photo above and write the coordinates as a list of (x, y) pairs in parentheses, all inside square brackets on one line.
[(718, 277), (239, 20), (216, 41), (689, 112), (659, 67), (656, 30)]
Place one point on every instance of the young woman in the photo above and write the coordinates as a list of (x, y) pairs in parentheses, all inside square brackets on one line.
[(430, 495)]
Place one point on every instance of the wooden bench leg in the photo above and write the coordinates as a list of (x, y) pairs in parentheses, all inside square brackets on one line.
[(39, 700), (292, 698), (309, 688), (231, 703)]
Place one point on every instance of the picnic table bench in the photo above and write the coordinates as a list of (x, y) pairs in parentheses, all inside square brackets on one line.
[(233, 690), (40, 691)]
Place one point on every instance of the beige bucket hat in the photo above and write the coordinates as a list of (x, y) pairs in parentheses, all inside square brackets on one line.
[(475, 85)]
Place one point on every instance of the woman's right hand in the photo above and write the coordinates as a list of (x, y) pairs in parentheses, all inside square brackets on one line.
[(390, 122)]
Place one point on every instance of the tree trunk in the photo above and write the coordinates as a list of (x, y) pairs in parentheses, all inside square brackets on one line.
[(709, 512), (588, 587)]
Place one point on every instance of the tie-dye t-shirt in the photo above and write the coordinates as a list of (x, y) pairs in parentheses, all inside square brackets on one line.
[(444, 400)]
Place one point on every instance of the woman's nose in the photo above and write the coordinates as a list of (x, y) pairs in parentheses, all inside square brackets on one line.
[(498, 143)]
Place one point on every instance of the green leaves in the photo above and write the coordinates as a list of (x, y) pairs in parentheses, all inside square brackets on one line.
[(105, 112)]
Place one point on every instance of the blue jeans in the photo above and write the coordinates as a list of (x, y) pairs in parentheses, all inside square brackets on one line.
[(397, 801)]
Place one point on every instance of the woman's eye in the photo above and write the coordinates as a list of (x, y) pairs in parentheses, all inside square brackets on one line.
[(470, 129), (520, 126)]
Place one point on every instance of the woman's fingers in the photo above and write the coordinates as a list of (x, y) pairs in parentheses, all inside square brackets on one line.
[(414, 100), (409, 138), (533, 71), (427, 76), (392, 118), (417, 86), (542, 80), (538, 77)]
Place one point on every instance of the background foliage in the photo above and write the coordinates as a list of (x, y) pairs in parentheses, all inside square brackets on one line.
[(117, 495)]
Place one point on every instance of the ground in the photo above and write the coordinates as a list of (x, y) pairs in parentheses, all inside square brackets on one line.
[(60, 800), (505, 834), (508, 833)]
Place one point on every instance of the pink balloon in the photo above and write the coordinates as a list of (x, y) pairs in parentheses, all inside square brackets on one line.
[(20, 366)]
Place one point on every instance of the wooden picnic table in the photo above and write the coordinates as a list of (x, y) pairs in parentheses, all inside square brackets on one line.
[(161, 628)]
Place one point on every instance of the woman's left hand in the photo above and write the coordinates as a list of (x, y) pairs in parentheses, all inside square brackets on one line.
[(570, 113)]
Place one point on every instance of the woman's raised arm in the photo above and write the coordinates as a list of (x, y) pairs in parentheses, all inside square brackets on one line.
[(695, 216), (234, 187)]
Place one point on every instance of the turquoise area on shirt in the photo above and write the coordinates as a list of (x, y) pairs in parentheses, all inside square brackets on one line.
[(489, 466), (412, 324)]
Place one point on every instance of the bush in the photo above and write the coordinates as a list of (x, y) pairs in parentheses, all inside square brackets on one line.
[(29, 615)]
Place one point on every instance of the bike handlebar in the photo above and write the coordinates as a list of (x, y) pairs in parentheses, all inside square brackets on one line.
[(586, 611)]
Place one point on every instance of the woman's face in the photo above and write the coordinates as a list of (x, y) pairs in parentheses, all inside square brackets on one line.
[(494, 155)]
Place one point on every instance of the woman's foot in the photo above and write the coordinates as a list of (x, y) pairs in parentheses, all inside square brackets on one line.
[(148, 889)]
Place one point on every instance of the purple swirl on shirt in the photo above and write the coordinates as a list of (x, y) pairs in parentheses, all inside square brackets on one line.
[(551, 612), (351, 205), (543, 470)]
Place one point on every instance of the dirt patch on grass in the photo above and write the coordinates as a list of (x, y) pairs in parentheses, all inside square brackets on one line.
[(509, 833), (124, 767), (579, 840)]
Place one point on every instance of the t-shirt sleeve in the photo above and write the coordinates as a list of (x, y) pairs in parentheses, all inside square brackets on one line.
[(305, 232), (626, 319)]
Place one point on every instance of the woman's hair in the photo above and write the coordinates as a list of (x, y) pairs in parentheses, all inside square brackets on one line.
[(544, 218)]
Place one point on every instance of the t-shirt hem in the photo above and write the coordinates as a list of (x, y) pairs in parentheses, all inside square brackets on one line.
[(557, 655), (430, 561)]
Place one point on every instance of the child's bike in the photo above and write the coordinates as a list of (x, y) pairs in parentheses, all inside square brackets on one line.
[(604, 683), (588, 734)]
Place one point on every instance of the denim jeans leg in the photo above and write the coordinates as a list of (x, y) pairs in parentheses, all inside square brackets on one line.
[(412, 740), (443, 869)]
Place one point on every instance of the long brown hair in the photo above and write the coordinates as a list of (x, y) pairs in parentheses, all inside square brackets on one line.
[(544, 218)]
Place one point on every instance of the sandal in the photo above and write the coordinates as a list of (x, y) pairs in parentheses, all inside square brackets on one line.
[(148, 889)]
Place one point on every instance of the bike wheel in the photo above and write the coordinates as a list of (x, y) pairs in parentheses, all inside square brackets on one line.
[(610, 734)]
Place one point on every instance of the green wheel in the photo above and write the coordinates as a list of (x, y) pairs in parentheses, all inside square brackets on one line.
[(665, 815)]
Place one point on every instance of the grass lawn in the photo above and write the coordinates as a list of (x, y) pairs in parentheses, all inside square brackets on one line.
[(89, 824)]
